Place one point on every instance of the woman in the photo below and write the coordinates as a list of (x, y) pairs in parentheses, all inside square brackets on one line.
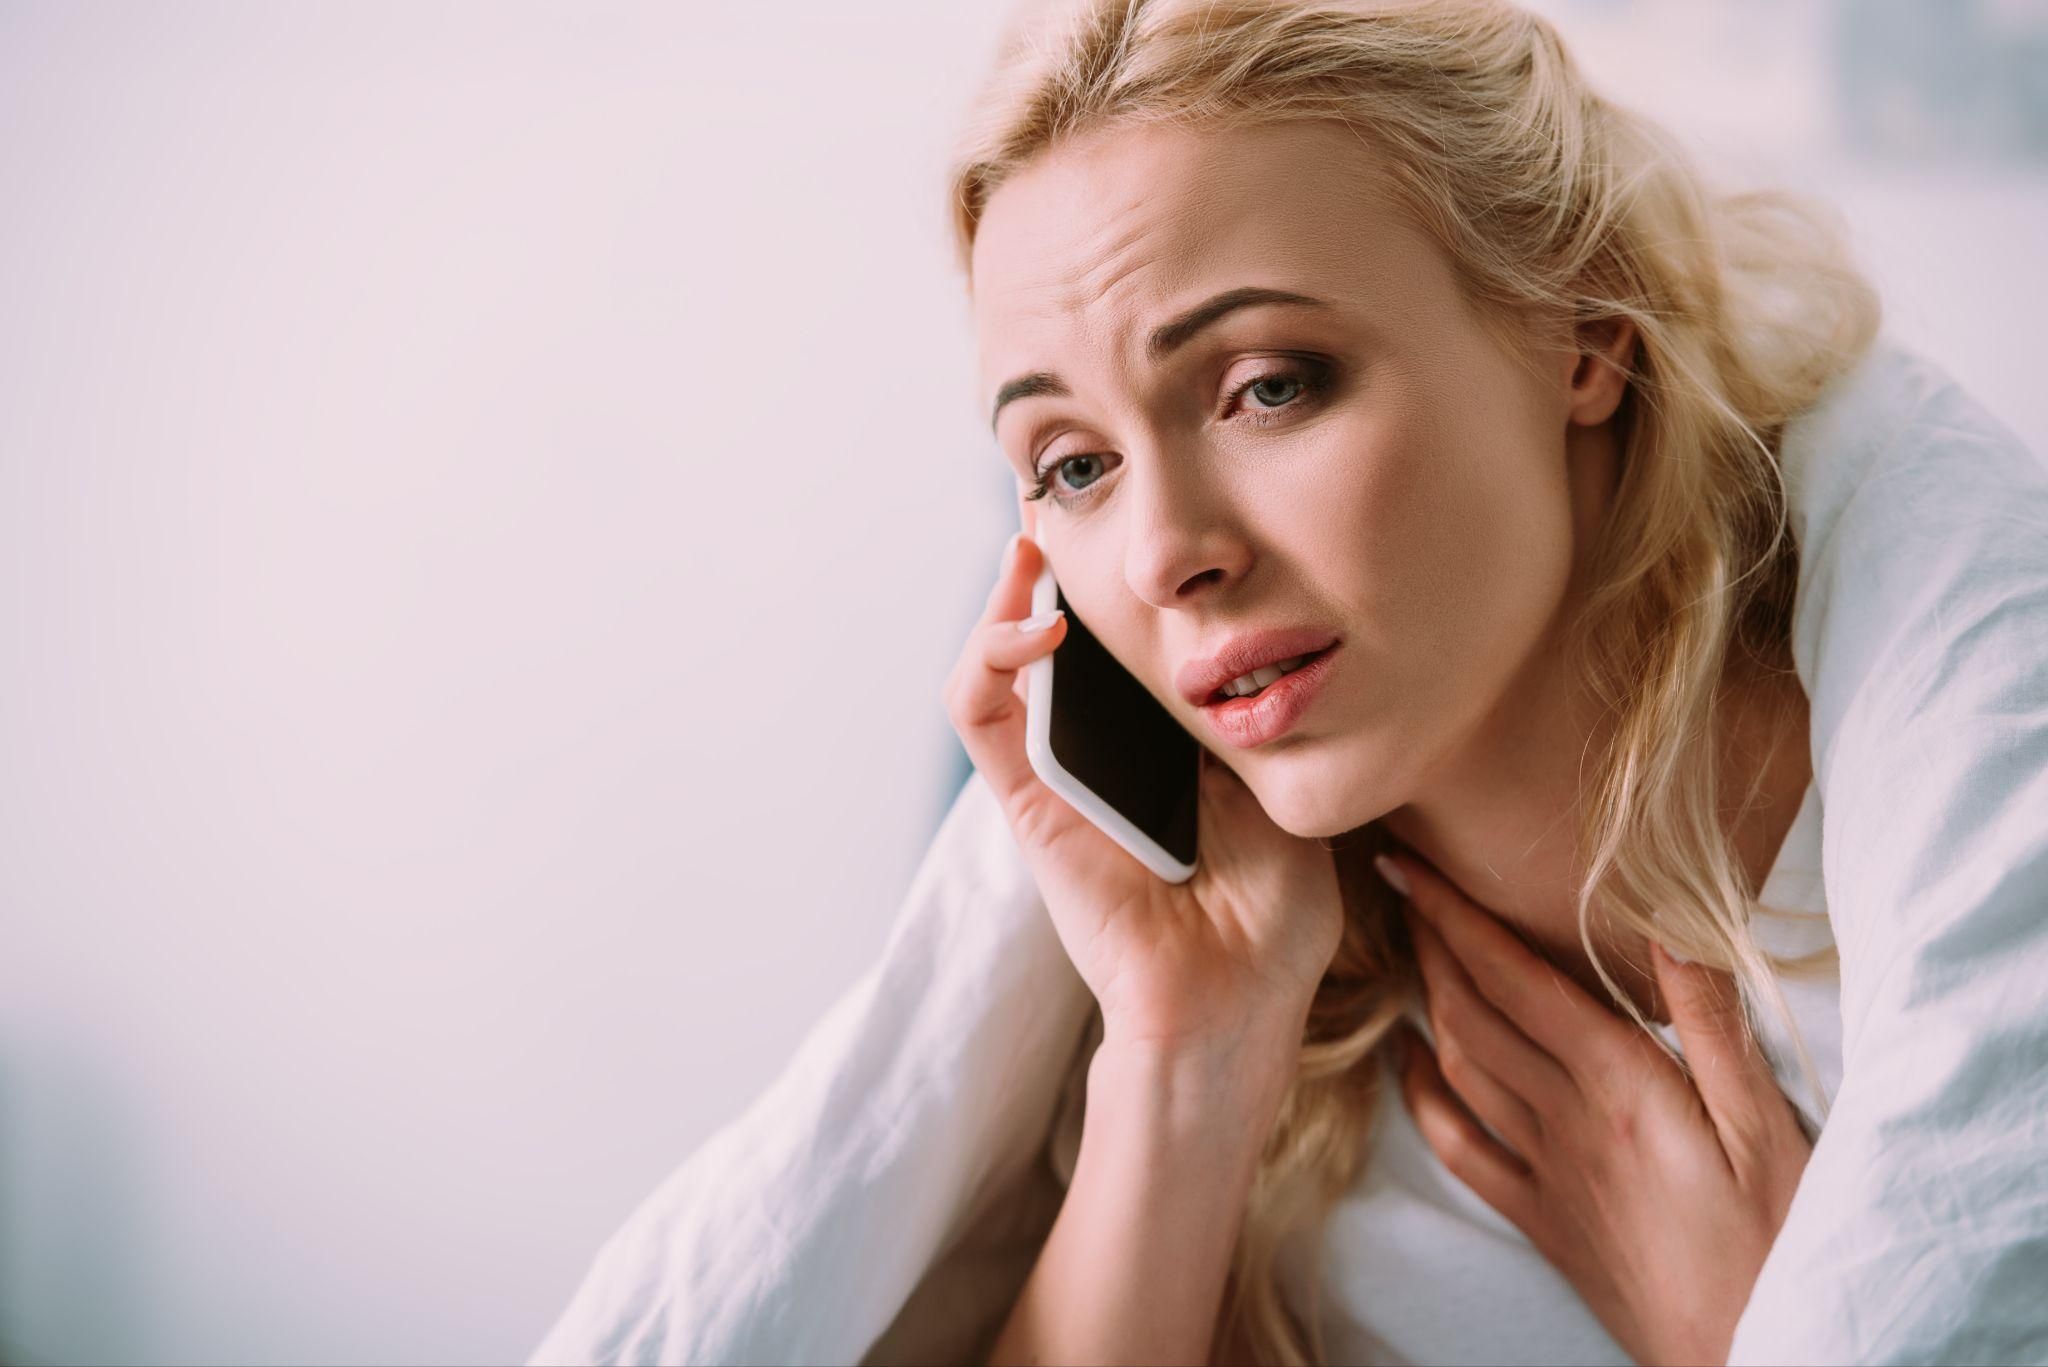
[(1377, 327), (1373, 323)]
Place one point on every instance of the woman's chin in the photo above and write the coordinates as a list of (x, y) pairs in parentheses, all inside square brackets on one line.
[(1302, 806)]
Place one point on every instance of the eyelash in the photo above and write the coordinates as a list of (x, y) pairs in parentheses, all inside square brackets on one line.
[(1314, 381)]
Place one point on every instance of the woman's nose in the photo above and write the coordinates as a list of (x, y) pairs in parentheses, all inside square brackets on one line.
[(1181, 538)]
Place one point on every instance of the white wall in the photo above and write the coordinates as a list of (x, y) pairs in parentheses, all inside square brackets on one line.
[(488, 498), (1947, 219), (489, 495)]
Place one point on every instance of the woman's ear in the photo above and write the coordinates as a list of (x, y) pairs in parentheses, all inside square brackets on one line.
[(1601, 376)]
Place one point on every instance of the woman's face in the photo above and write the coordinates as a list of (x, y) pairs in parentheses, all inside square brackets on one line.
[(1391, 475)]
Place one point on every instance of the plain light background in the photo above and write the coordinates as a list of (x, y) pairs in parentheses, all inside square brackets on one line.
[(489, 497)]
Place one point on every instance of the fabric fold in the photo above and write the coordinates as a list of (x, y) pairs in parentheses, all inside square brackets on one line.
[(1921, 629), (895, 1163)]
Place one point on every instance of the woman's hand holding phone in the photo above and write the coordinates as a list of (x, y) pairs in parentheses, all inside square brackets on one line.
[(1230, 957)]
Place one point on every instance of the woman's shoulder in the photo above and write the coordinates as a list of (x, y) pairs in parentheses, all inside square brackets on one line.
[(1920, 633), (1922, 524)]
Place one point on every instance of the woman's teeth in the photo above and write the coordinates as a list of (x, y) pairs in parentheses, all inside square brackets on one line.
[(1244, 685)]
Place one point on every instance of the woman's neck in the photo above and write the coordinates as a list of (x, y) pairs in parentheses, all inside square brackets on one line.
[(1502, 824)]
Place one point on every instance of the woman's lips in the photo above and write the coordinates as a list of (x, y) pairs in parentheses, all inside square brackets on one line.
[(1274, 709)]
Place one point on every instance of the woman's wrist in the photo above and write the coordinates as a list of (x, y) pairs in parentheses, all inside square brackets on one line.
[(1135, 1265), (1219, 1094)]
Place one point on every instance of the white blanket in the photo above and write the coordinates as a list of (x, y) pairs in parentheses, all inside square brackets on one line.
[(886, 1195), (1920, 1230)]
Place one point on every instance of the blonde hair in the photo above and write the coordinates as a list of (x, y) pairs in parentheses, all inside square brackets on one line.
[(1551, 202)]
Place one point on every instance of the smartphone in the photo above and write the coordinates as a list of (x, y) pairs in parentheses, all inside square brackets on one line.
[(1096, 737)]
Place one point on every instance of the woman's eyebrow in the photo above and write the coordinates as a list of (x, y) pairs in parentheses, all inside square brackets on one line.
[(1166, 339)]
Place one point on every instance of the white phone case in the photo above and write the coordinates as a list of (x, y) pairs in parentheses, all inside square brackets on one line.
[(1038, 684)]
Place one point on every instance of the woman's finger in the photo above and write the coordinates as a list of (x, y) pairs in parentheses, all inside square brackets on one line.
[(1555, 1013), (981, 697), (1728, 1067), (1503, 1180), (1504, 1078)]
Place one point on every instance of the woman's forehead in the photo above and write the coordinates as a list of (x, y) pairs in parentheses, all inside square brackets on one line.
[(1156, 202), (1096, 245)]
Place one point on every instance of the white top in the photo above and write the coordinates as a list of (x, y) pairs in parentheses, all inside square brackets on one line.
[(885, 1196)]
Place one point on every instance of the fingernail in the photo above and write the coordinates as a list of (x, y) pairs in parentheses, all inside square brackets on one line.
[(1041, 621), (1672, 954), (1010, 551), (1392, 873)]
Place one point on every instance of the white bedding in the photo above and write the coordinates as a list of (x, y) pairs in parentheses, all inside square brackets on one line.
[(885, 1196), (1920, 1230)]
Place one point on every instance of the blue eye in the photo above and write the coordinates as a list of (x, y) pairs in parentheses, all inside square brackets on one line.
[(1310, 383), (1045, 477)]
